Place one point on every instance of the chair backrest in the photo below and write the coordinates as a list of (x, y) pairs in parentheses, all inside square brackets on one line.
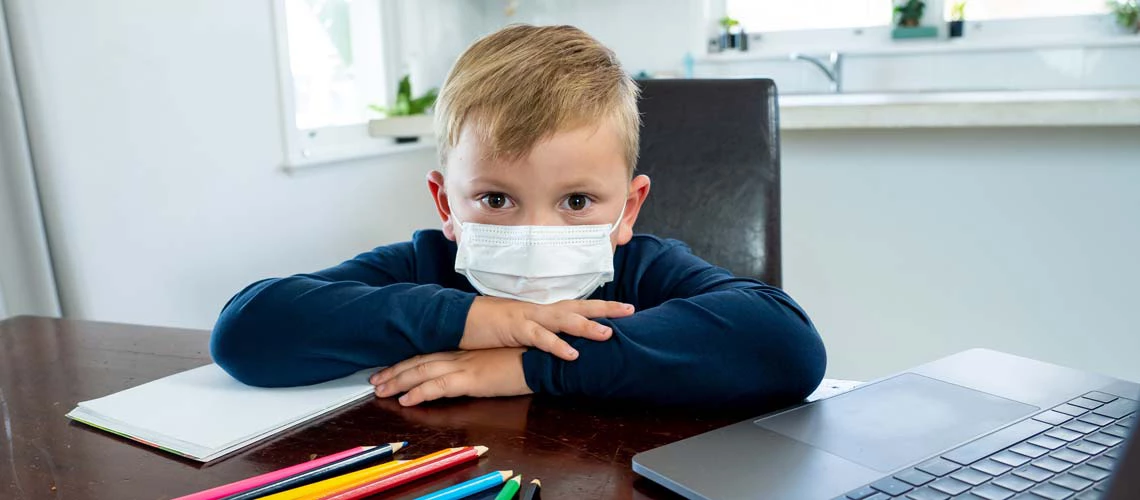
[(712, 151)]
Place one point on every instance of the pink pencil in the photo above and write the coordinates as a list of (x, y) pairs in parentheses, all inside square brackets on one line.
[(269, 477)]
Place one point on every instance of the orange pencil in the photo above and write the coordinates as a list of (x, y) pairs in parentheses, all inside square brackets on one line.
[(408, 475)]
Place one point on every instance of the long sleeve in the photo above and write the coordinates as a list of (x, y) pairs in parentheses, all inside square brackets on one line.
[(701, 336), (377, 309)]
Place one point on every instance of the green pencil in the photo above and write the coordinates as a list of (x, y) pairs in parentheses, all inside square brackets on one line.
[(510, 488)]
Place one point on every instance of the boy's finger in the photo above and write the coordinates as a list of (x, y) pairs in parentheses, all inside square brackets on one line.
[(414, 376), (576, 325), (597, 308), (386, 374), (538, 336), (451, 385)]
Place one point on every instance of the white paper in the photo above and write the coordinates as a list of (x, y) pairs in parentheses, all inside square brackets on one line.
[(204, 412)]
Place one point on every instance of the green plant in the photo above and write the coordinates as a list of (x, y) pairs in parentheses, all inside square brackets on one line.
[(728, 23), (406, 105), (958, 11), (1127, 13), (910, 12)]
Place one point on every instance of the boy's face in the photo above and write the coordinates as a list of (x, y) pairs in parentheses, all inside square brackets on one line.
[(575, 177)]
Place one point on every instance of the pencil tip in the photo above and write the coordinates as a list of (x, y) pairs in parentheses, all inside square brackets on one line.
[(536, 482), (398, 446), (506, 474), (517, 479), (480, 450)]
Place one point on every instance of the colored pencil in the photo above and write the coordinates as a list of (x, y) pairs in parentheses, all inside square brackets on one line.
[(315, 490), (471, 487), (509, 489), (363, 459), (353, 479), (269, 477), (408, 474), (531, 492)]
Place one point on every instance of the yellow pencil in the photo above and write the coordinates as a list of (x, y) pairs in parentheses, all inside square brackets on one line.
[(320, 488), (303, 491)]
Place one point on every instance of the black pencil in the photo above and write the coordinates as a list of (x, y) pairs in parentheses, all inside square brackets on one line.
[(345, 465), (531, 491)]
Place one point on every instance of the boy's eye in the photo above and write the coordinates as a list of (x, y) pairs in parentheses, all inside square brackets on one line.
[(496, 200), (577, 202)]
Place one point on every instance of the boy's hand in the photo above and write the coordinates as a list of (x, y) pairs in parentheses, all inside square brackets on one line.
[(495, 322), (484, 373)]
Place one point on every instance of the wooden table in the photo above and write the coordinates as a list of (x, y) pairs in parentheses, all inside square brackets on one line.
[(580, 450)]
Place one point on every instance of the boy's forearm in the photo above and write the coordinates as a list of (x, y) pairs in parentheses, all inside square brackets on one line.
[(729, 347), (300, 330)]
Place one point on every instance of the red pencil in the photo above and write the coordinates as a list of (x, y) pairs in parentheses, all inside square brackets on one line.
[(404, 476)]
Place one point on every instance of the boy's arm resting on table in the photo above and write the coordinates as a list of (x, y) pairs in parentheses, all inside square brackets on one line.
[(713, 339), (310, 328)]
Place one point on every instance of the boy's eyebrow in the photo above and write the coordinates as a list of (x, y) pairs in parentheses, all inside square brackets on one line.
[(484, 182), (582, 185)]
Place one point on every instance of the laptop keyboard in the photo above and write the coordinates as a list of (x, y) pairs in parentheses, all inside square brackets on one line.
[(1066, 452)]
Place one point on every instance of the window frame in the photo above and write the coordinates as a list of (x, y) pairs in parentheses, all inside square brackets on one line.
[(337, 143)]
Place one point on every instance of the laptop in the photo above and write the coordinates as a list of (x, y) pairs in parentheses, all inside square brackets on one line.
[(976, 425)]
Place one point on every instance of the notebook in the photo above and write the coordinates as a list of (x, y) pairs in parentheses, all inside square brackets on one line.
[(205, 414)]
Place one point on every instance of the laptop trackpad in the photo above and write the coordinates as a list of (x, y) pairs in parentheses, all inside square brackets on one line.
[(897, 421)]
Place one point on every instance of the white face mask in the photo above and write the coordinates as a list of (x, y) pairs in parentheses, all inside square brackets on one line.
[(538, 264)]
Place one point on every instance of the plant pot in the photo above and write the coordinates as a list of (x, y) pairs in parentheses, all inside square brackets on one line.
[(404, 128), (901, 32), (732, 40), (957, 28)]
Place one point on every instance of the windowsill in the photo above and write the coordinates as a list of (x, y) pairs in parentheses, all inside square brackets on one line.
[(1060, 108), (930, 46), (350, 154)]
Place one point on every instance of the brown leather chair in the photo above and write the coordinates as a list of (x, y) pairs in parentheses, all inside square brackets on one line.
[(712, 151)]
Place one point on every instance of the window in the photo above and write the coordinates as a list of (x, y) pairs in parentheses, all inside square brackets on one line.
[(764, 16), (981, 10), (335, 58)]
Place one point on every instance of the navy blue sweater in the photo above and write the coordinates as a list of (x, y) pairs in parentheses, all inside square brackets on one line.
[(700, 334)]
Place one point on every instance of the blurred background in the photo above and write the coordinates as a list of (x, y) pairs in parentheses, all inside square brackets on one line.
[(955, 174)]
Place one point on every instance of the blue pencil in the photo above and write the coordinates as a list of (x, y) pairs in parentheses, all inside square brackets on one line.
[(470, 487)]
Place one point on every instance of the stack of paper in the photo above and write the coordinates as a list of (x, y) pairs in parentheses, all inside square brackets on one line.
[(204, 413)]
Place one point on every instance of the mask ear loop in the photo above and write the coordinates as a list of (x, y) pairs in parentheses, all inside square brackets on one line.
[(617, 223)]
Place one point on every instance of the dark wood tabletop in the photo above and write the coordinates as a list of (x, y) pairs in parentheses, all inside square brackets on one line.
[(579, 449)]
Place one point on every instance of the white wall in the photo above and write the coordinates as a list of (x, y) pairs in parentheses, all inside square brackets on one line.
[(905, 246), (155, 128), (647, 35)]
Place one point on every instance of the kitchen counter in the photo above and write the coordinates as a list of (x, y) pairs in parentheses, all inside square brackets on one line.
[(1053, 108)]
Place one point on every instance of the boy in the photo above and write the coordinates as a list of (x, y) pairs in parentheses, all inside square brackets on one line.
[(538, 136)]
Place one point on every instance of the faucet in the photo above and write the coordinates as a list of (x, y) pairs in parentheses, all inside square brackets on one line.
[(834, 70)]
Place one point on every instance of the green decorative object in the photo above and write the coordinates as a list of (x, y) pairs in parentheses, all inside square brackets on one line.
[(406, 105), (909, 13), (1127, 14)]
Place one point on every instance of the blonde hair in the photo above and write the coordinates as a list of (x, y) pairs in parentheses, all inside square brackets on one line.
[(521, 84)]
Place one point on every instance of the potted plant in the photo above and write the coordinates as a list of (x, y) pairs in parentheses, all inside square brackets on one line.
[(909, 14), (732, 35), (1127, 14), (409, 114), (957, 19)]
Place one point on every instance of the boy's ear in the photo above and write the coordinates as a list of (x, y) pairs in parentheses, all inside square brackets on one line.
[(638, 191), (439, 196)]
